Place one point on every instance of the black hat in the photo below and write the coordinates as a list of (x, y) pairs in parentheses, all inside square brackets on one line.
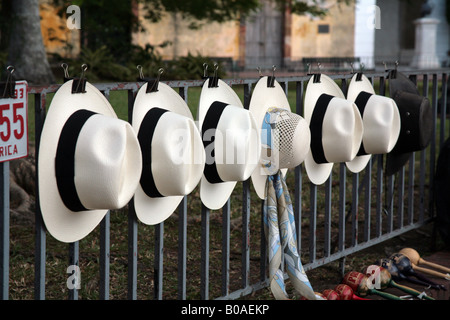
[(416, 121)]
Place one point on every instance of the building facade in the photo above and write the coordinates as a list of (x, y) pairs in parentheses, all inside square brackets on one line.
[(375, 31)]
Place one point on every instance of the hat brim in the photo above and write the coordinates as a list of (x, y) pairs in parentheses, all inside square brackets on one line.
[(150, 210), (263, 98), (63, 224), (318, 173), (354, 89), (215, 195)]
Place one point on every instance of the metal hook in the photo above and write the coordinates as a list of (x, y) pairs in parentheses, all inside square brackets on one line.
[(213, 83), (11, 69), (141, 73), (259, 71), (8, 85), (205, 70), (154, 86), (271, 80), (309, 68), (81, 81), (66, 69)]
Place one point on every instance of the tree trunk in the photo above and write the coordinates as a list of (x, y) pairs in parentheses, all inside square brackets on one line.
[(26, 48)]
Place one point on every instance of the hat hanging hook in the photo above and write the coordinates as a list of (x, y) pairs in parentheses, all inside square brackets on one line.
[(9, 85), (205, 70), (213, 83), (360, 73), (317, 75), (155, 83), (81, 81), (65, 68), (271, 80), (259, 72), (141, 73)]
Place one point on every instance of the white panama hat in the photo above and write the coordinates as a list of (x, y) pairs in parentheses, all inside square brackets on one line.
[(172, 152), (288, 132), (229, 136), (381, 120), (89, 162), (335, 124)]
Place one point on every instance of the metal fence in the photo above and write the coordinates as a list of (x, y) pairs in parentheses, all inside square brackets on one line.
[(349, 213)]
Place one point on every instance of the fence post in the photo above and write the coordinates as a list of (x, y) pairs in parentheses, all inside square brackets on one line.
[(4, 229)]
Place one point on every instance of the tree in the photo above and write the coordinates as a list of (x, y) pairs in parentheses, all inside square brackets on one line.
[(26, 48)]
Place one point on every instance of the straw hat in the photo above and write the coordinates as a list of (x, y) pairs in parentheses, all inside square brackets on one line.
[(229, 137), (89, 162), (336, 128), (381, 120), (172, 152), (285, 136)]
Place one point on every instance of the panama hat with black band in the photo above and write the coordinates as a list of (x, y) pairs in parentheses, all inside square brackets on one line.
[(381, 121), (229, 135), (172, 152), (335, 124), (89, 162)]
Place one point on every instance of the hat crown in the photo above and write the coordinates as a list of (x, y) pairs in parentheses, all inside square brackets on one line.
[(289, 139), (107, 163), (381, 125), (341, 131), (237, 148), (177, 155)]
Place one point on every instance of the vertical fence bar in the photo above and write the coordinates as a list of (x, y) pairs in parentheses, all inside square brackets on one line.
[(411, 175), (401, 192), (104, 256), (312, 222), (390, 203), (422, 163), (380, 175), (355, 204), (263, 247), (298, 170), (40, 235), (226, 248), (245, 233), (4, 229), (132, 226), (105, 230), (327, 218), (434, 102), (204, 268), (158, 263), (368, 199), (182, 229), (182, 248), (74, 252), (246, 211), (443, 110), (342, 185)]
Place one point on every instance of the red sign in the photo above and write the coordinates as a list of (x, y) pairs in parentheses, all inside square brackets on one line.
[(14, 124)]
